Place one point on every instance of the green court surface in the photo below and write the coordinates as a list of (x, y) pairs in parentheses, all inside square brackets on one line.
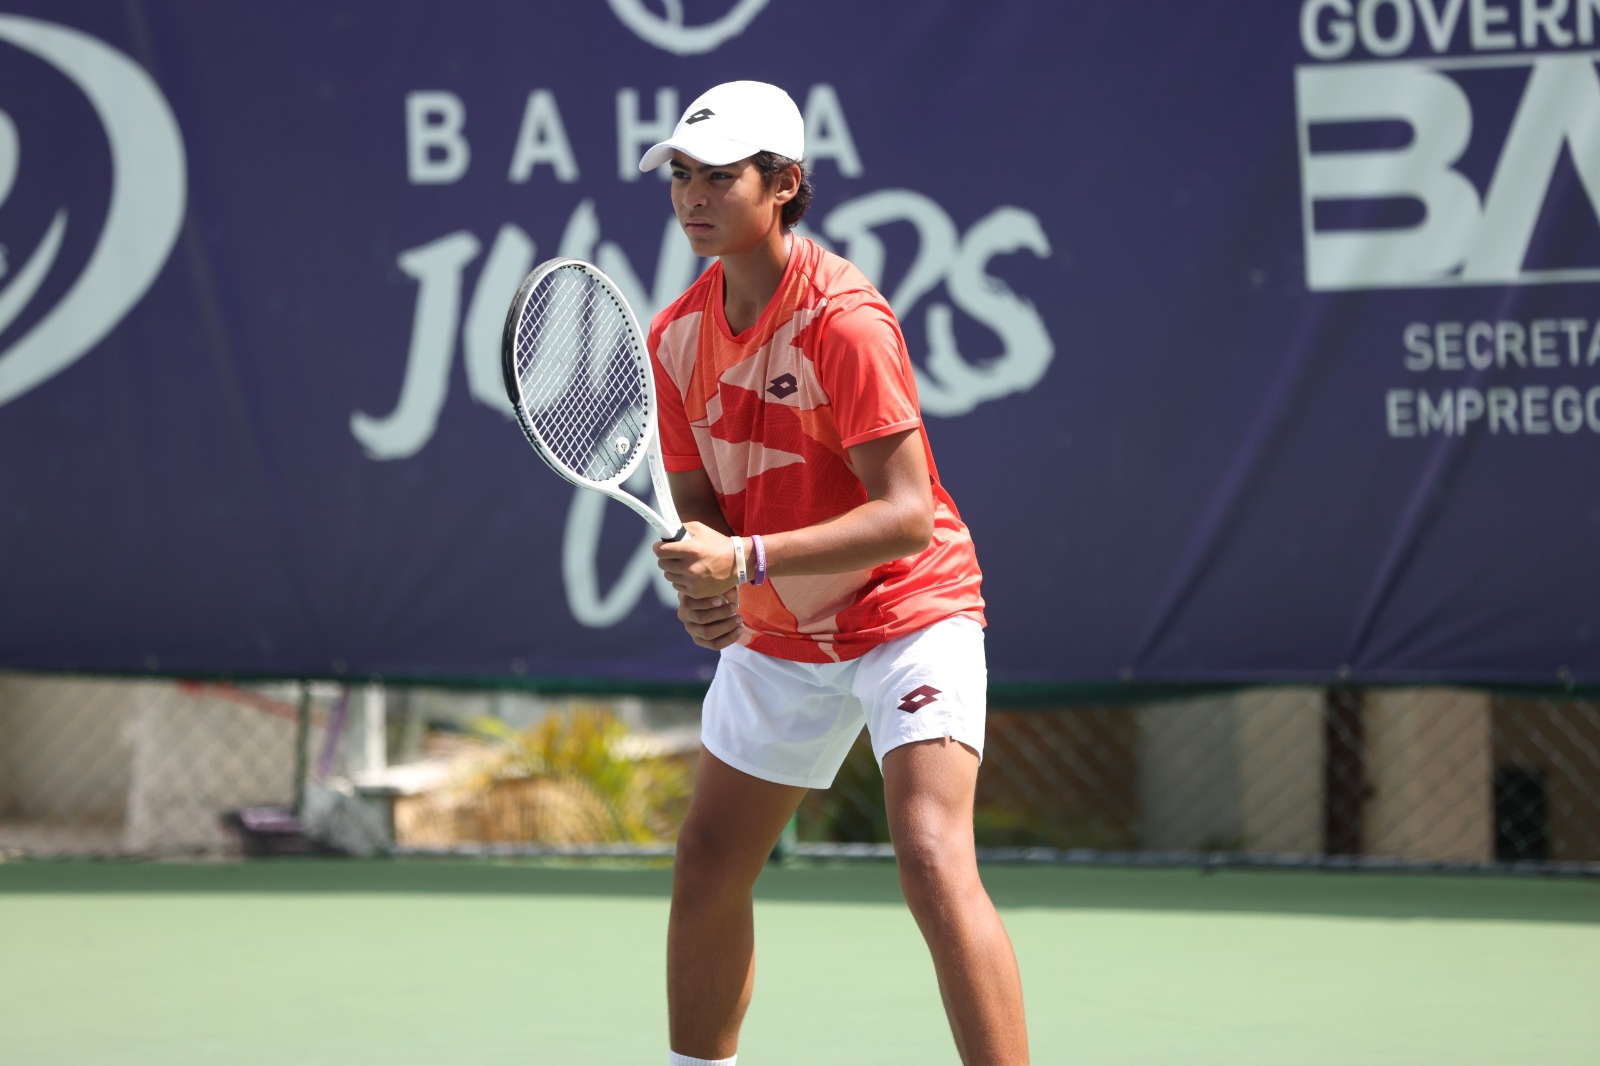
[(305, 963)]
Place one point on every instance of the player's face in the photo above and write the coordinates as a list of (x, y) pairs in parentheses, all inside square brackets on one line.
[(723, 209)]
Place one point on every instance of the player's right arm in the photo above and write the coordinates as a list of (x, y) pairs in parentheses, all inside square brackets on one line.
[(712, 622)]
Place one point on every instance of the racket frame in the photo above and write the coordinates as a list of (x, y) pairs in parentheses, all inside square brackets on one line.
[(665, 520)]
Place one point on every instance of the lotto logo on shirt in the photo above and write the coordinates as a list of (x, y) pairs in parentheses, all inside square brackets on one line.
[(1449, 142)]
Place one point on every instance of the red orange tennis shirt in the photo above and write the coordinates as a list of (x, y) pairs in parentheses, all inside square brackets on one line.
[(770, 415)]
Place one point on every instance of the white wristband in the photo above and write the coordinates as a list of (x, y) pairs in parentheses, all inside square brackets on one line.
[(738, 559)]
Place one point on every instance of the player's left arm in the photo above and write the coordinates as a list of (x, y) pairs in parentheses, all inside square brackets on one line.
[(895, 521)]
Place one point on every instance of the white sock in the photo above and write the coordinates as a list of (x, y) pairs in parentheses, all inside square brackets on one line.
[(675, 1059)]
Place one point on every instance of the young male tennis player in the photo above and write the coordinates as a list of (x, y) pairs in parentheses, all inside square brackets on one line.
[(827, 565)]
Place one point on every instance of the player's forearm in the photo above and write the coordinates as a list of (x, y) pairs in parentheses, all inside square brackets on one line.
[(876, 532), (696, 501), (896, 520), (709, 516)]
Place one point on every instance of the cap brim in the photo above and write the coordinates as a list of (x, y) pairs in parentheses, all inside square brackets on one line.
[(712, 151)]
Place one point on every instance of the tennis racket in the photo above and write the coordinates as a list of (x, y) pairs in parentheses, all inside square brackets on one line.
[(579, 378)]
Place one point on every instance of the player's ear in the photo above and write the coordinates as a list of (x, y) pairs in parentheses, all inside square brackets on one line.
[(788, 184)]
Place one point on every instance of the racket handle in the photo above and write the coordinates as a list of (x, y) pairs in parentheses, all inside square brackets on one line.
[(683, 531)]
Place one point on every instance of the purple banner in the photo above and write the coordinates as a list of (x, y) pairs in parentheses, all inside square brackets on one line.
[(1256, 343)]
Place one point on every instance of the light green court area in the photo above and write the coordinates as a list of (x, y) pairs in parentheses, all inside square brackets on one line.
[(321, 963)]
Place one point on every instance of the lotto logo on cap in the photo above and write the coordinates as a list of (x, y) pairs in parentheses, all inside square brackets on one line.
[(731, 122)]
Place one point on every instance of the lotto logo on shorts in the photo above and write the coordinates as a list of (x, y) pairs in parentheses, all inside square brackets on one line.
[(918, 698)]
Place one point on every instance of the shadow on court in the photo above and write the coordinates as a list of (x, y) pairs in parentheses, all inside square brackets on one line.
[(1013, 887)]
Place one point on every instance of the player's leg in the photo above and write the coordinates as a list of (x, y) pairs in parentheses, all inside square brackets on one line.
[(771, 730), (733, 823), (929, 787), (926, 696)]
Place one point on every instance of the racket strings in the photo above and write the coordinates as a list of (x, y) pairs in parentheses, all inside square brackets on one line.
[(581, 376)]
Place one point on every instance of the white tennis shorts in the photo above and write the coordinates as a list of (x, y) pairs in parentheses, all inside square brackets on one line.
[(793, 723)]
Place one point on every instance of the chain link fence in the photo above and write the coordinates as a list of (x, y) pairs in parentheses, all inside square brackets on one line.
[(1409, 777)]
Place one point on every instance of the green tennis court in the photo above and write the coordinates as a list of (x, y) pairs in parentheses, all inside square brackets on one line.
[(311, 963)]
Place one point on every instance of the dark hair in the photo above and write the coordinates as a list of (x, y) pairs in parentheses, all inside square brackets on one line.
[(771, 164)]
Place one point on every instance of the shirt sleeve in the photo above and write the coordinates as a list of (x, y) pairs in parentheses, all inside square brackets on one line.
[(863, 364)]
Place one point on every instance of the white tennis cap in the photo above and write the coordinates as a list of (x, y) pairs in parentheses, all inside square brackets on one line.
[(731, 122)]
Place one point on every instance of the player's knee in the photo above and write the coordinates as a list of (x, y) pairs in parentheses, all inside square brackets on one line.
[(933, 868), (708, 863)]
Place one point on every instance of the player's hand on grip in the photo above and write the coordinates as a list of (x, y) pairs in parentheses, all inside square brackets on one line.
[(714, 622), (700, 565)]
